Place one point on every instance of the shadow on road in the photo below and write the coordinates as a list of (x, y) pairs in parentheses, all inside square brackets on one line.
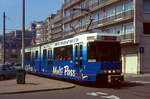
[(123, 85)]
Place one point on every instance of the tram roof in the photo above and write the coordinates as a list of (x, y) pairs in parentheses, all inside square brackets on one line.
[(83, 34)]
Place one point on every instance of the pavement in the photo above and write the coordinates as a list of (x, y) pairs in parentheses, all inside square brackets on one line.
[(33, 84), (138, 77), (37, 83)]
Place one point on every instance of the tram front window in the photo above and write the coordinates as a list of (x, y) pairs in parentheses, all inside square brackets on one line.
[(103, 52)]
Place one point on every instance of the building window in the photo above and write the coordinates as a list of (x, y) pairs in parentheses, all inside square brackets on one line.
[(115, 29), (100, 16), (85, 4), (84, 21), (110, 12), (146, 27), (119, 8), (128, 28), (95, 16), (128, 5), (146, 6)]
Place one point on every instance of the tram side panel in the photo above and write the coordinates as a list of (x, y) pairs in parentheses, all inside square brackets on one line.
[(27, 59), (32, 60), (63, 65)]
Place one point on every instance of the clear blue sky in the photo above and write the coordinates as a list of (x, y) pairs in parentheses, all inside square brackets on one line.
[(36, 10)]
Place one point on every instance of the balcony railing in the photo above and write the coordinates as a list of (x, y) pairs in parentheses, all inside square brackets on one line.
[(127, 37), (91, 7), (70, 3), (126, 15), (114, 19), (101, 3)]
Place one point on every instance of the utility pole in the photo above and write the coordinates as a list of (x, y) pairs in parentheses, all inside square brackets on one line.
[(4, 29), (23, 33), (20, 72)]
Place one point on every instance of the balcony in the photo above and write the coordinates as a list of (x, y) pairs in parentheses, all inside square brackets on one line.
[(118, 18), (57, 26), (126, 15), (68, 33), (101, 4), (70, 3), (127, 38), (55, 31), (92, 8)]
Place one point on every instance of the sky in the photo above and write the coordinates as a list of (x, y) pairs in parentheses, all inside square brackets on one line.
[(36, 10)]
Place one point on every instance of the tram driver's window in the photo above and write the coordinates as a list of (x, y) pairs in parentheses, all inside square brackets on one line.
[(91, 52)]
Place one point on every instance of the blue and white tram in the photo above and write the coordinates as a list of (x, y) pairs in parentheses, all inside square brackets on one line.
[(84, 57)]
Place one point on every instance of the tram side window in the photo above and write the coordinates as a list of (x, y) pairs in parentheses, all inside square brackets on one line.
[(36, 55), (81, 48), (44, 54), (50, 54), (63, 53), (76, 50), (32, 59), (49, 57), (28, 56), (32, 55)]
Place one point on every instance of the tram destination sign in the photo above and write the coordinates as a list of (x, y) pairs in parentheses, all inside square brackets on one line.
[(66, 42), (109, 38)]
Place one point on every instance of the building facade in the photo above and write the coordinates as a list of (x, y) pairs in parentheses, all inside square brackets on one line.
[(49, 26), (40, 31), (129, 18), (13, 45), (57, 25)]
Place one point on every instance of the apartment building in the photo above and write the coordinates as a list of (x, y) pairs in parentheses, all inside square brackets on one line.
[(129, 18), (40, 32), (57, 25), (48, 26), (13, 45)]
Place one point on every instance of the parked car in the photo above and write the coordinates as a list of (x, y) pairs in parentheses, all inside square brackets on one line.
[(6, 71), (16, 64)]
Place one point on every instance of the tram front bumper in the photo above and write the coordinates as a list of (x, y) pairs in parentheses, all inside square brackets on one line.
[(115, 78)]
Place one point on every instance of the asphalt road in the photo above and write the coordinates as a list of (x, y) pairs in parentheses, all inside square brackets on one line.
[(129, 90)]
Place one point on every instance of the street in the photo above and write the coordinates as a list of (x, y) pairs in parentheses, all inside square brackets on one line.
[(129, 90)]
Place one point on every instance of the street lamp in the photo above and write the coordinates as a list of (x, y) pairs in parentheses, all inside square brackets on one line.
[(4, 28)]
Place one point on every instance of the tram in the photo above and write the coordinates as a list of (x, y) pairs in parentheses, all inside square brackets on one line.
[(89, 57)]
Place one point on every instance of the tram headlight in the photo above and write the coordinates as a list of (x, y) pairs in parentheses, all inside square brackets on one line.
[(113, 71), (109, 71), (104, 71)]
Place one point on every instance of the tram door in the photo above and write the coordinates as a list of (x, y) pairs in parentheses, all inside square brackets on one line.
[(78, 57)]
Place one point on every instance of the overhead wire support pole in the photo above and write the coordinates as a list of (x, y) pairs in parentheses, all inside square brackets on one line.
[(4, 30), (23, 33)]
